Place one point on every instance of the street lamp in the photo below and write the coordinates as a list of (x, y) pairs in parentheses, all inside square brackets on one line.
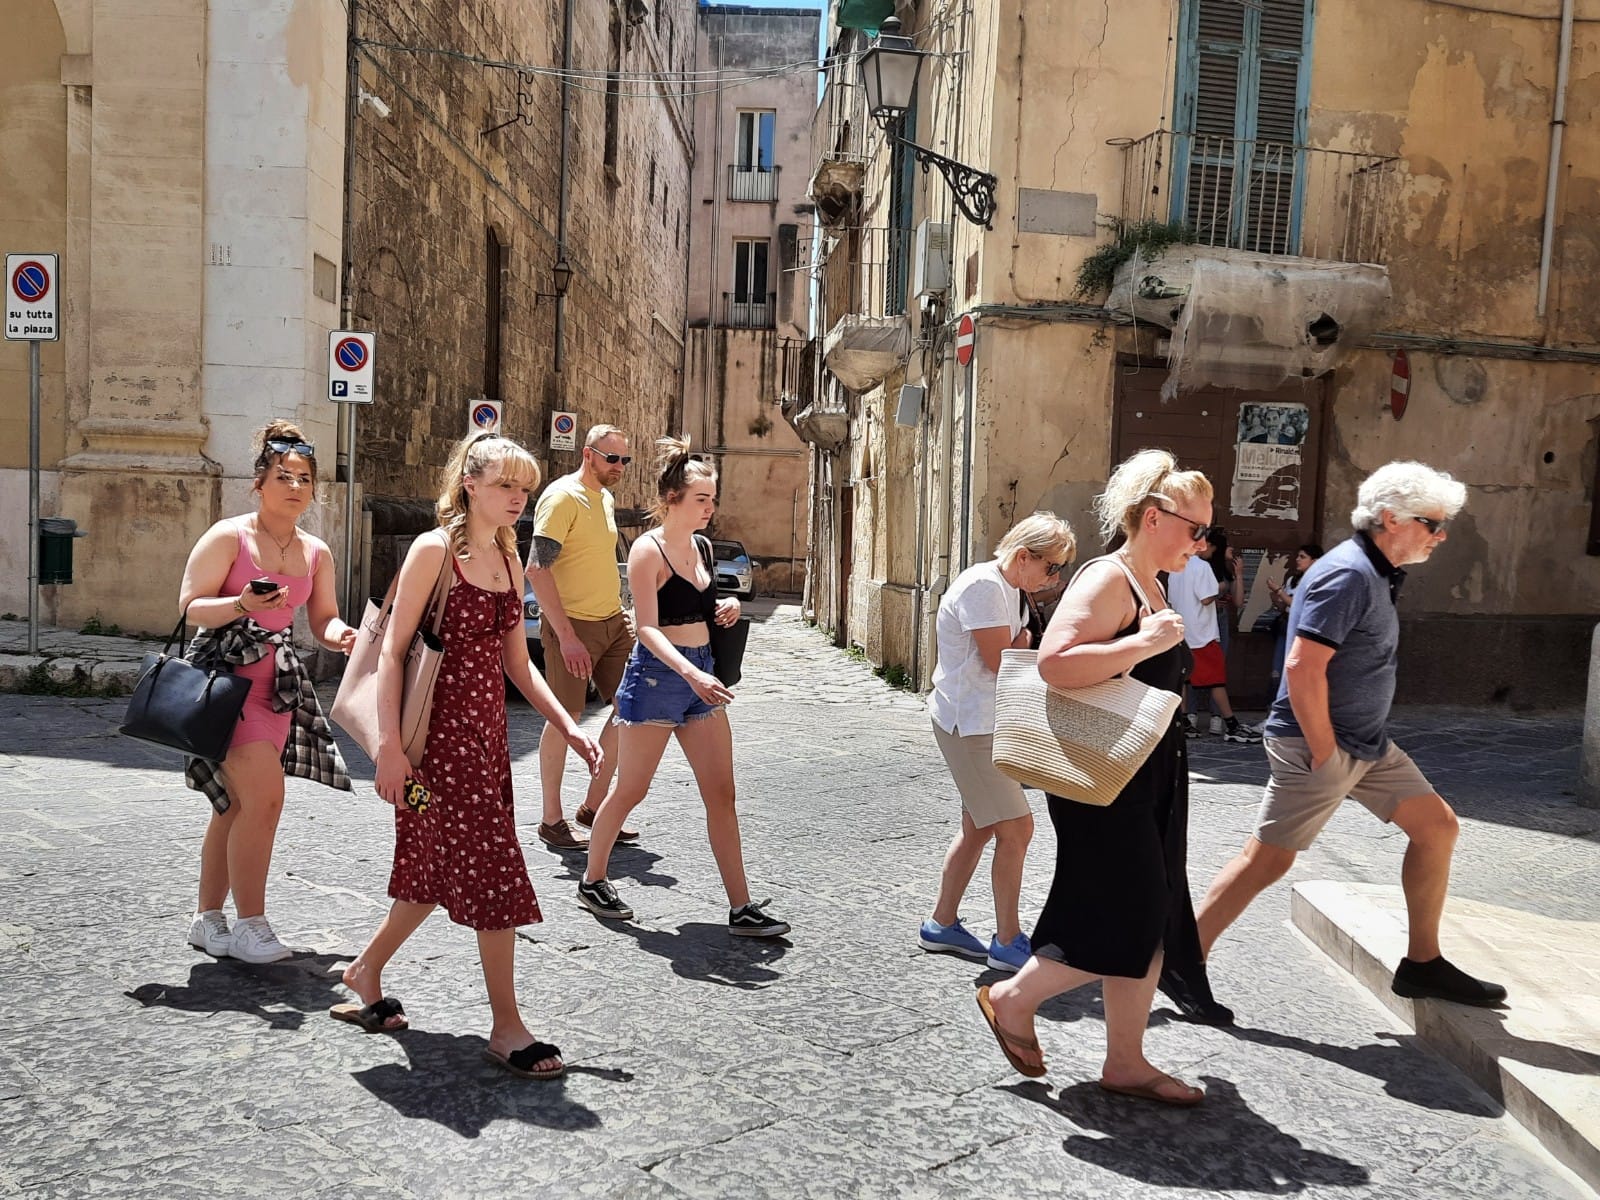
[(889, 71), (561, 277)]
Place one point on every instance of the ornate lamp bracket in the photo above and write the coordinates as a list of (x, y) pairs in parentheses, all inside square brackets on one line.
[(973, 189)]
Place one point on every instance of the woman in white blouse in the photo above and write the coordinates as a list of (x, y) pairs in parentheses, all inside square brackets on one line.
[(983, 614)]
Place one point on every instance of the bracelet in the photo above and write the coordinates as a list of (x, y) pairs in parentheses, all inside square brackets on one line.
[(238, 606)]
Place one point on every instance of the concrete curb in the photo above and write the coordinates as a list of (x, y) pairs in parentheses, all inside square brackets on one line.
[(1362, 928)]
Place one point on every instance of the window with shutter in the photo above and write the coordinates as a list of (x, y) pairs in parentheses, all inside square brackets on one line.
[(1238, 174)]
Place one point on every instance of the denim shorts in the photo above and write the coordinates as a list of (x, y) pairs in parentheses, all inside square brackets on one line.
[(652, 693)]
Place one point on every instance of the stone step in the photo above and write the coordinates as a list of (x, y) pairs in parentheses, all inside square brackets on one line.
[(1539, 1056)]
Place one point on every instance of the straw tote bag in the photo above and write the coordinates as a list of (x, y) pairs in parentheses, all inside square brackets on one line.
[(355, 706), (1080, 743)]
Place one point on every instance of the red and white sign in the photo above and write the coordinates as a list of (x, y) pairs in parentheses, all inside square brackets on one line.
[(966, 335), (1399, 384), (350, 366)]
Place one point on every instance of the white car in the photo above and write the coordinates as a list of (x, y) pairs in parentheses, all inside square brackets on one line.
[(735, 573)]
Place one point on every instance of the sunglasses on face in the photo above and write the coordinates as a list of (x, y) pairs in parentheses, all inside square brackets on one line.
[(1197, 531), (278, 446), (613, 459), (1051, 569), (1432, 525)]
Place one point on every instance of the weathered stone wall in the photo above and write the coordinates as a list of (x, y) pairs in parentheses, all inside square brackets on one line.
[(430, 184)]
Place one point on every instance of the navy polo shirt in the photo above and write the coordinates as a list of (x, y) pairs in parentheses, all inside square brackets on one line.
[(1346, 601)]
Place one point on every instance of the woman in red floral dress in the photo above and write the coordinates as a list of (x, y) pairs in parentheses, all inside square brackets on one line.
[(461, 850)]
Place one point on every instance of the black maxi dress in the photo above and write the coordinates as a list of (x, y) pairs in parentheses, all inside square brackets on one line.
[(1121, 885)]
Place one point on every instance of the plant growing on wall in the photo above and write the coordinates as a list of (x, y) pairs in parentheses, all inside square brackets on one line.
[(1146, 238)]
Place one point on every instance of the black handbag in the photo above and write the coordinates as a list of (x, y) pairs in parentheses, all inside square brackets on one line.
[(727, 641), (182, 707)]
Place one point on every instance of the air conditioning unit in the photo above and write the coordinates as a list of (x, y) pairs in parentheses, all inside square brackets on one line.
[(930, 260)]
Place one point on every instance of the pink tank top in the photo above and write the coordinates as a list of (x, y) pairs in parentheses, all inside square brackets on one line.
[(245, 568)]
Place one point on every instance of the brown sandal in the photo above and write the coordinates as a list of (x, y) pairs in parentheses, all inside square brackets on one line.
[(585, 816), (560, 836), (1150, 1089), (1008, 1040)]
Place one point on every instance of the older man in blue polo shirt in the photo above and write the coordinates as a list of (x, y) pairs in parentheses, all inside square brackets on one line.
[(1326, 735)]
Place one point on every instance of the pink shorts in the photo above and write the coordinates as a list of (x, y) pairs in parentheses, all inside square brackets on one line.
[(1210, 668), (258, 723)]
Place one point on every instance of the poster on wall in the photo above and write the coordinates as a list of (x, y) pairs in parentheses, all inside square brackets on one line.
[(1268, 451)]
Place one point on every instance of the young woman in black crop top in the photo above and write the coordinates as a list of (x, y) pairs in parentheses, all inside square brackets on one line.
[(668, 690)]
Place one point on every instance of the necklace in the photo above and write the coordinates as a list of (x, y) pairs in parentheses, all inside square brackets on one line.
[(489, 555), (283, 546)]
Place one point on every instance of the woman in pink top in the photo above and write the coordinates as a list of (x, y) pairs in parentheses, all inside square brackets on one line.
[(222, 594)]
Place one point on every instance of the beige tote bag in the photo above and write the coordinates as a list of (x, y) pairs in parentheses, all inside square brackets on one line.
[(1080, 743), (355, 706)]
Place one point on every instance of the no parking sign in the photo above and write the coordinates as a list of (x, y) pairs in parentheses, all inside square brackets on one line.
[(563, 431), (31, 307), (483, 416), (350, 367)]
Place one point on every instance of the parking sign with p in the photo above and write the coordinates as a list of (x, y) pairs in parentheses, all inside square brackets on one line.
[(350, 366)]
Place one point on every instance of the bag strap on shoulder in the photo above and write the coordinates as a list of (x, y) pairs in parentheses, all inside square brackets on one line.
[(1133, 580)]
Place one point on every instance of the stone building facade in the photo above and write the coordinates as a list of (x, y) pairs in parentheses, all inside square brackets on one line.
[(1422, 163), (749, 303)]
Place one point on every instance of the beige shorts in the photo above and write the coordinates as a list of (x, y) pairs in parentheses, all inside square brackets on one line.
[(608, 642), (987, 794), (1299, 801)]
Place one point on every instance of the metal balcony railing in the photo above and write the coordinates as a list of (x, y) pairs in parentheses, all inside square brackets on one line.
[(748, 311), (863, 270), (839, 132), (1268, 197), (753, 183)]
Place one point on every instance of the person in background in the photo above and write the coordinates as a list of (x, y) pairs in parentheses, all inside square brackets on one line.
[(985, 612), (1119, 900), (1327, 734), (669, 691), (1282, 596), (245, 579), (1194, 592), (456, 843), (573, 569)]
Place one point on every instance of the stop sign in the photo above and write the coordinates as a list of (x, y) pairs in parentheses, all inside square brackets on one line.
[(966, 334)]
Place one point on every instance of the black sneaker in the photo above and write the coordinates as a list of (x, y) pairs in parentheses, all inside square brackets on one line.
[(1238, 731), (749, 921), (1190, 993), (1438, 979), (600, 898)]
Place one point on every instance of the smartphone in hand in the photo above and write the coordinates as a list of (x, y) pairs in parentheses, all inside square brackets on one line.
[(263, 587)]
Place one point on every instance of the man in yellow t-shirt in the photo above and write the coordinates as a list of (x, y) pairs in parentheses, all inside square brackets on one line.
[(573, 570)]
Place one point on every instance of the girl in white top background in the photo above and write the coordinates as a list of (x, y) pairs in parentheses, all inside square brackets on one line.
[(982, 615)]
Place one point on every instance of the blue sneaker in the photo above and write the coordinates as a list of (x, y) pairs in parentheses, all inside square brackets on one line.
[(954, 938), (1009, 958)]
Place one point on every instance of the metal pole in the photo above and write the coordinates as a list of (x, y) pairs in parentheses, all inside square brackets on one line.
[(33, 496), (353, 603), (352, 106), (564, 200)]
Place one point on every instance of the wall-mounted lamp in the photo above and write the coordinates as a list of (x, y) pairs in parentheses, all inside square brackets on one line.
[(636, 12), (889, 71), (365, 99), (561, 278)]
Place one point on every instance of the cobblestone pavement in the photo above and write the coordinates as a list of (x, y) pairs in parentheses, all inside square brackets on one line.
[(841, 1063)]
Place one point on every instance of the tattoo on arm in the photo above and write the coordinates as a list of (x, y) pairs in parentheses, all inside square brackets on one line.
[(545, 552)]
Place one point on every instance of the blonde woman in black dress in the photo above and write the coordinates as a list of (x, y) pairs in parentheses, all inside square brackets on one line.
[(1120, 889)]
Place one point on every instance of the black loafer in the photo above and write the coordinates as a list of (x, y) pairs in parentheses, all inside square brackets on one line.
[(1190, 993), (1439, 979)]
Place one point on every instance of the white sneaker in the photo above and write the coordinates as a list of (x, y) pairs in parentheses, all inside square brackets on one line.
[(1217, 725), (254, 942), (209, 932)]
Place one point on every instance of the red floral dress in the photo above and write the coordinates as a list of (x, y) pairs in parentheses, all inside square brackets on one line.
[(463, 851)]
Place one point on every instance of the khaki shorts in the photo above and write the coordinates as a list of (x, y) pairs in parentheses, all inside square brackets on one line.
[(608, 643), (1299, 801), (987, 793)]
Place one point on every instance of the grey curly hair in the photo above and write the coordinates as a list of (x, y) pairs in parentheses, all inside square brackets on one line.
[(1407, 489)]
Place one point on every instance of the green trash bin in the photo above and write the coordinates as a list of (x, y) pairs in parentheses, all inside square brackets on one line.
[(55, 548)]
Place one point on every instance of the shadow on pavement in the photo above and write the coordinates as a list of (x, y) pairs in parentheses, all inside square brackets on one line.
[(304, 983), (1222, 1146), (628, 861), (1395, 1065), (707, 953), (446, 1080)]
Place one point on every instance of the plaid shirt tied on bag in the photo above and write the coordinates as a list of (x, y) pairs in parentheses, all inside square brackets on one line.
[(310, 751)]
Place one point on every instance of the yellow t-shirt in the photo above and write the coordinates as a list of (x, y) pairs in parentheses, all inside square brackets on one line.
[(585, 523)]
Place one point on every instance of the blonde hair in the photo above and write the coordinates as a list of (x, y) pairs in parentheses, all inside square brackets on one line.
[(598, 432), (472, 456), (1043, 534), (278, 431), (677, 468), (1142, 482)]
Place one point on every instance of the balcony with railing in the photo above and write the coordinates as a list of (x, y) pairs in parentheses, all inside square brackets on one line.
[(1263, 197), (749, 310), (753, 184), (839, 142), (863, 277)]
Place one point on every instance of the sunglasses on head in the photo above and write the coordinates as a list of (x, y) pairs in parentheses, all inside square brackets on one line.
[(279, 446), (613, 459)]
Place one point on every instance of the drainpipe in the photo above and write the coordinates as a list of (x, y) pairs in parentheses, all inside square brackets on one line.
[(566, 184), (1558, 124)]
